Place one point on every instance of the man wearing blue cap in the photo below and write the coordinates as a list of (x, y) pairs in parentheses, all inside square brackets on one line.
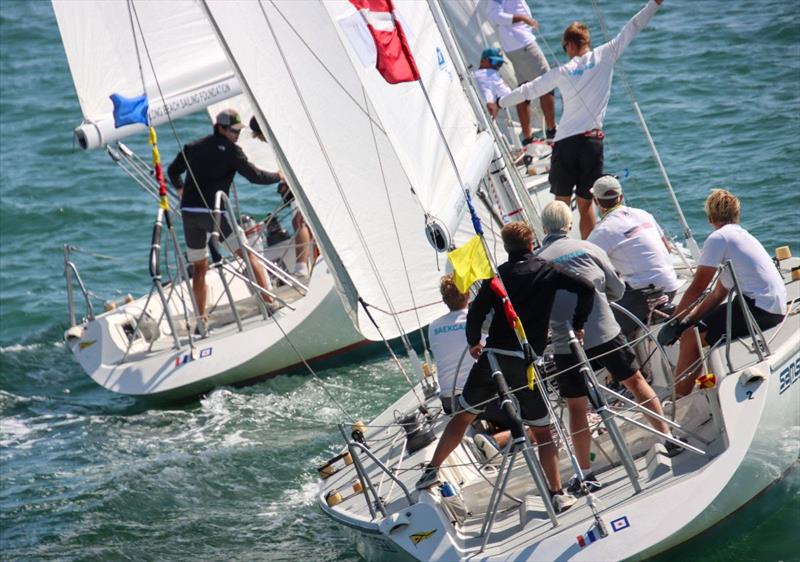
[(490, 84)]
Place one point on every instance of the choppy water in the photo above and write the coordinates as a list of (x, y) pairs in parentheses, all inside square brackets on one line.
[(85, 474)]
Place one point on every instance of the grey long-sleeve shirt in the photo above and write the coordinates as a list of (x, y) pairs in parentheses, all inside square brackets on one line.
[(590, 263)]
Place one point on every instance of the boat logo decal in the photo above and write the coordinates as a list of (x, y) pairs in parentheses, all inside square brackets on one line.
[(620, 524), (789, 375), (417, 538), (187, 357), (84, 344), (440, 59)]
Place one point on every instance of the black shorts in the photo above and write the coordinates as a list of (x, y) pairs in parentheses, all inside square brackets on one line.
[(197, 227), (621, 363), (480, 388), (714, 323), (576, 163), (493, 413)]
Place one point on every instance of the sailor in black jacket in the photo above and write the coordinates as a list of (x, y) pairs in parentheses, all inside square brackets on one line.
[(210, 164), (531, 284)]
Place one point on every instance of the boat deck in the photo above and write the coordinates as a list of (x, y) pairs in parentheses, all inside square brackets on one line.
[(698, 413)]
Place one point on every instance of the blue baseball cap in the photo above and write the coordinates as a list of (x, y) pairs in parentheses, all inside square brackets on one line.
[(495, 56)]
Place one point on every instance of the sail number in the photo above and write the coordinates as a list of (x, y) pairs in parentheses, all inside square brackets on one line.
[(789, 375)]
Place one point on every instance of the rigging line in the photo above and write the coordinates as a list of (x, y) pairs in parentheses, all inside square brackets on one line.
[(168, 113), (337, 181), (687, 231), (325, 68), (394, 226), (326, 156), (131, 8), (611, 147)]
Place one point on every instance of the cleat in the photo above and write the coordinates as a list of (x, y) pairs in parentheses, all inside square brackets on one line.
[(674, 449)]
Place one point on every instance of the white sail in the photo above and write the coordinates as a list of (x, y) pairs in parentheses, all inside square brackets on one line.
[(182, 65), (405, 111), (353, 182)]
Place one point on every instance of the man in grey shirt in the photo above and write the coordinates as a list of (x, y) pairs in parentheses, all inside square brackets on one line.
[(603, 337)]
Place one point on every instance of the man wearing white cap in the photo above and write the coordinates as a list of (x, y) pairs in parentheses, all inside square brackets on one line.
[(210, 164), (637, 248)]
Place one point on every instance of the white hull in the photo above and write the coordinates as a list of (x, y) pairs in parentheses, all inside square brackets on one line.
[(753, 441), (317, 327)]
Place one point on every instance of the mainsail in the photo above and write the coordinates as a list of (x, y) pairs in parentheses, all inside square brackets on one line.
[(181, 64), (369, 168)]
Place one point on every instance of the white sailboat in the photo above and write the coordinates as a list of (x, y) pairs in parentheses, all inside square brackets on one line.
[(742, 436), (371, 215), (145, 346)]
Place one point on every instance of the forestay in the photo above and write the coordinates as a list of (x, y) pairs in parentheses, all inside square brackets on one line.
[(102, 38), (353, 182)]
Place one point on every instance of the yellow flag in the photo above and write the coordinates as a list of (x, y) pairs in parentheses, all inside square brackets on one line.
[(470, 264)]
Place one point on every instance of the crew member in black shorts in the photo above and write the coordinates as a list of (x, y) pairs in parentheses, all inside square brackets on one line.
[(759, 280), (585, 85), (531, 284), (210, 165), (603, 339)]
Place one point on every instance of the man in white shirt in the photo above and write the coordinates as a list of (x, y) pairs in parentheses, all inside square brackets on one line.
[(448, 342), (585, 85), (513, 21), (491, 85), (638, 250), (759, 279)]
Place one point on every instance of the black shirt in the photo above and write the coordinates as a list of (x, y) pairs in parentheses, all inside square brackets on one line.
[(213, 160), (531, 284)]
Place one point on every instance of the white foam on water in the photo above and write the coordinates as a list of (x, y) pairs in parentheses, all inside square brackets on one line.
[(14, 432), (292, 499), (17, 347)]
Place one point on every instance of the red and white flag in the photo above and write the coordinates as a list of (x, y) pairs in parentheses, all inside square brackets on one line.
[(395, 62)]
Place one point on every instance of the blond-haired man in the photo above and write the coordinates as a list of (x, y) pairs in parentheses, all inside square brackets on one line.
[(449, 344), (759, 279)]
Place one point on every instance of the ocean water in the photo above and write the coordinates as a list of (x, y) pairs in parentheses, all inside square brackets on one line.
[(89, 475)]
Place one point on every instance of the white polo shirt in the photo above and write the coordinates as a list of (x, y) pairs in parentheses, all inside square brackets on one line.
[(632, 239), (513, 36), (758, 276), (584, 81), (448, 341), (490, 84)]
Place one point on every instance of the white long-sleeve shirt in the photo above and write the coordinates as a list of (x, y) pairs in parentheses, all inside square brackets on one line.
[(584, 81), (512, 36)]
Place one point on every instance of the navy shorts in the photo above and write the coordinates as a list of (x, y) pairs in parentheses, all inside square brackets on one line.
[(480, 389), (714, 324), (621, 363), (576, 163)]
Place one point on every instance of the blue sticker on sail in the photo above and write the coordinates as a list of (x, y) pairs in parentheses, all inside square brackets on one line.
[(128, 111), (620, 524), (440, 58)]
